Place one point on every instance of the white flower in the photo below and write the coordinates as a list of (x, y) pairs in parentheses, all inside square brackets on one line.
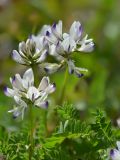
[(24, 92), (20, 85), (75, 70), (63, 49), (87, 45), (52, 67), (52, 33), (57, 30), (20, 109), (115, 153), (62, 45), (33, 51), (76, 31)]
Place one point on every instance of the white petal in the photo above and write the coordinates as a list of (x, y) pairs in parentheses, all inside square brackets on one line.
[(52, 50), (81, 69), (17, 82), (15, 112), (19, 101), (85, 40), (51, 38), (51, 68), (33, 93), (30, 47), (71, 66), (42, 57), (115, 154), (43, 96), (60, 48), (28, 78), (76, 30), (78, 74), (87, 47), (22, 47), (57, 29), (43, 104), (69, 44), (50, 89), (16, 56), (44, 83), (44, 29), (9, 92)]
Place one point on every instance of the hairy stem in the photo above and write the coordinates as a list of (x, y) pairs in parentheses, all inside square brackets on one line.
[(35, 72), (62, 93), (31, 148)]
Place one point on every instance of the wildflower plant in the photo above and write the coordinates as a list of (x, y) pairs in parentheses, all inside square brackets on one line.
[(29, 91)]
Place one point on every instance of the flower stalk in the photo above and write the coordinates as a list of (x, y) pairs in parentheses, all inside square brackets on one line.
[(62, 93), (31, 136)]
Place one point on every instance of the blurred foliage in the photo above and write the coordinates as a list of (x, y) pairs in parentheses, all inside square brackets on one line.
[(72, 139)]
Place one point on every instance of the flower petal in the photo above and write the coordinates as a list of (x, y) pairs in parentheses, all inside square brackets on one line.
[(17, 82), (44, 29), (50, 89), (57, 29), (16, 56), (71, 66), (9, 92), (60, 48), (28, 78), (69, 44), (19, 101), (43, 104), (42, 57), (44, 83), (115, 154), (51, 68), (87, 47), (33, 93), (76, 30), (50, 37)]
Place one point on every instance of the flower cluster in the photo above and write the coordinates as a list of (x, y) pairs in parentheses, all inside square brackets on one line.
[(62, 45), (115, 153), (24, 92), (51, 40)]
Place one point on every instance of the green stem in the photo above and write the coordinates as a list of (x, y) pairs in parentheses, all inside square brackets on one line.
[(31, 148), (62, 93), (35, 72)]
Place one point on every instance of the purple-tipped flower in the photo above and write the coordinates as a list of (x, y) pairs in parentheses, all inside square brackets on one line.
[(31, 51), (75, 70), (23, 88), (52, 68), (62, 45), (76, 30), (57, 30), (115, 153)]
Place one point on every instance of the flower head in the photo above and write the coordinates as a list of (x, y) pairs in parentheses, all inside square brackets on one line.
[(24, 92), (62, 45), (115, 153), (33, 51)]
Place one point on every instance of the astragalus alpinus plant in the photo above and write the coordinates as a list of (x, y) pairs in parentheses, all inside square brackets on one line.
[(31, 90)]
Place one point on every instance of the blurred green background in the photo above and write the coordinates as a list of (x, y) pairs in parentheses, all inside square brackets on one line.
[(100, 19)]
